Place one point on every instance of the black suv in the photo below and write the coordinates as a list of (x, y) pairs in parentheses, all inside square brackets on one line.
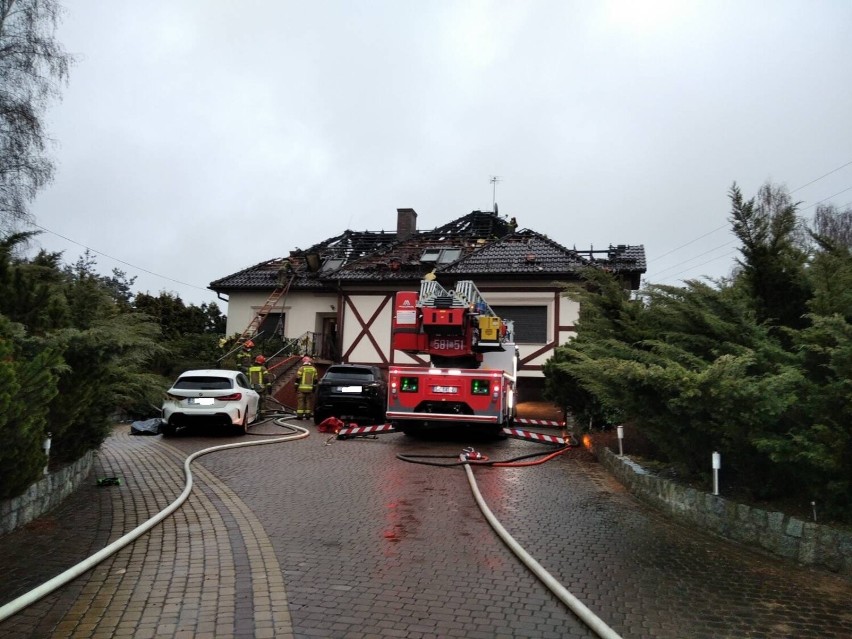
[(351, 392)]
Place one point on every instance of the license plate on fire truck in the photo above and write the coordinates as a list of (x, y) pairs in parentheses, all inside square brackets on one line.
[(449, 390)]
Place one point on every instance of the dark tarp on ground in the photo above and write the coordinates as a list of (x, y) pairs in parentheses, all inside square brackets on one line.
[(147, 427)]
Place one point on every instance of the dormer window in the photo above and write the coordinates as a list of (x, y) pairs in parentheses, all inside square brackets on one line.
[(449, 255), (440, 255), (430, 255)]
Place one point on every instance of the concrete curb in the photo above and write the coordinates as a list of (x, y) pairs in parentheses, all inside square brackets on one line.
[(807, 542)]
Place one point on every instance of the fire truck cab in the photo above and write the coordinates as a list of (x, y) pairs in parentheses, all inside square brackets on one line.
[(471, 378)]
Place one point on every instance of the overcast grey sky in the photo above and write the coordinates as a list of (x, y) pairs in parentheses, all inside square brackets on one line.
[(197, 138)]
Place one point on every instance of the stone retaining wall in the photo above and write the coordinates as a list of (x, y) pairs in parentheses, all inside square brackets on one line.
[(44, 495), (804, 541)]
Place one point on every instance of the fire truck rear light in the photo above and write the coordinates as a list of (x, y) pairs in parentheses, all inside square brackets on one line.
[(479, 386), (409, 385)]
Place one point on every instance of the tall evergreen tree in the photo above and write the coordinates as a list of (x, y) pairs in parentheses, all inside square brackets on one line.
[(773, 255)]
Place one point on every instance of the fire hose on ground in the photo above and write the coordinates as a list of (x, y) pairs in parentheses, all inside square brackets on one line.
[(87, 564), (470, 457)]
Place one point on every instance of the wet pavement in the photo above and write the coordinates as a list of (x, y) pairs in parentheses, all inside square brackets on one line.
[(328, 538)]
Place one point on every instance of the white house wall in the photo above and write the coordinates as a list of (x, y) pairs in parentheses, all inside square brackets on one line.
[(241, 309), (356, 344), (300, 310), (569, 313)]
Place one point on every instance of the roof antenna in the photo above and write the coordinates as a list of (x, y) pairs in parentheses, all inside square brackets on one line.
[(494, 179)]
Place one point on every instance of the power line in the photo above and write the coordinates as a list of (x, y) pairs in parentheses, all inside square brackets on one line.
[(821, 176), (144, 270), (715, 259), (843, 166), (728, 243), (695, 257), (700, 237), (849, 188)]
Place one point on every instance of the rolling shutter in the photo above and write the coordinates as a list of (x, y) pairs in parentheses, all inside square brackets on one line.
[(530, 322)]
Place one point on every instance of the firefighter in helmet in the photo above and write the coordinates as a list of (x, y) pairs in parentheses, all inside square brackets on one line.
[(244, 356), (259, 376), (285, 272), (306, 381)]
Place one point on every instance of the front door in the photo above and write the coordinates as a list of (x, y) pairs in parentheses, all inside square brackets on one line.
[(329, 339)]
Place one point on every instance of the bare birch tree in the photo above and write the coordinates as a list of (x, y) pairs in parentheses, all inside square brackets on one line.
[(33, 66)]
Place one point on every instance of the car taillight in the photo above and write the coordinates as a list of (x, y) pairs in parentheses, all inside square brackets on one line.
[(234, 397), (173, 398)]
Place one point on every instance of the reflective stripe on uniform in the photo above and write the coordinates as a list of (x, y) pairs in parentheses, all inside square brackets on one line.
[(255, 375), (307, 375)]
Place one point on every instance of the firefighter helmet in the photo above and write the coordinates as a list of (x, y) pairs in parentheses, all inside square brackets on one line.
[(260, 359), (306, 360), (248, 345)]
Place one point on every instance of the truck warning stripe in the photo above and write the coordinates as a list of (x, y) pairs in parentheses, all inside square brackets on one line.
[(535, 437)]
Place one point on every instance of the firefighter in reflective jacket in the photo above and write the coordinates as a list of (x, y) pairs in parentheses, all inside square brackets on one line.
[(244, 356), (306, 381), (259, 377)]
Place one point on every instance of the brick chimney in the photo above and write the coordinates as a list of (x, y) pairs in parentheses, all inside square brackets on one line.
[(406, 223)]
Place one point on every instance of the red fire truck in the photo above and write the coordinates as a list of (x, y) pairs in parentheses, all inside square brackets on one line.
[(471, 376)]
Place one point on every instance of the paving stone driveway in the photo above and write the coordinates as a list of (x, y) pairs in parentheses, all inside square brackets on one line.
[(305, 539)]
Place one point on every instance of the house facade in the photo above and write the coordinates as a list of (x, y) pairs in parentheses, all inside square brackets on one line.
[(340, 297)]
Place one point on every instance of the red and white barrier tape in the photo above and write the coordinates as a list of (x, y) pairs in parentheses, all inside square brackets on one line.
[(352, 431), (534, 437), (538, 422)]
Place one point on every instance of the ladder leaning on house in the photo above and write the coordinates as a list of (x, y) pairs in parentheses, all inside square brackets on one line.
[(276, 295)]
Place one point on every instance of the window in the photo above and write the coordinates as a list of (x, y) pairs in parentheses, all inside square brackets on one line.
[(350, 374), (449, 255), (272, 325), (530, 322), (430, 255), (203, 383), (441, 256)]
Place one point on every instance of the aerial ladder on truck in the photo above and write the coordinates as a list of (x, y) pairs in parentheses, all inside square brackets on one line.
[(471, 376)]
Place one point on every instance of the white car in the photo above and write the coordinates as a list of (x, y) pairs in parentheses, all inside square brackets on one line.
[(204, 396)]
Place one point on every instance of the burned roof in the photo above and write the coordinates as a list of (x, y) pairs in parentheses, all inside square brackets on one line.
[(477, 244), (525, 252)]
